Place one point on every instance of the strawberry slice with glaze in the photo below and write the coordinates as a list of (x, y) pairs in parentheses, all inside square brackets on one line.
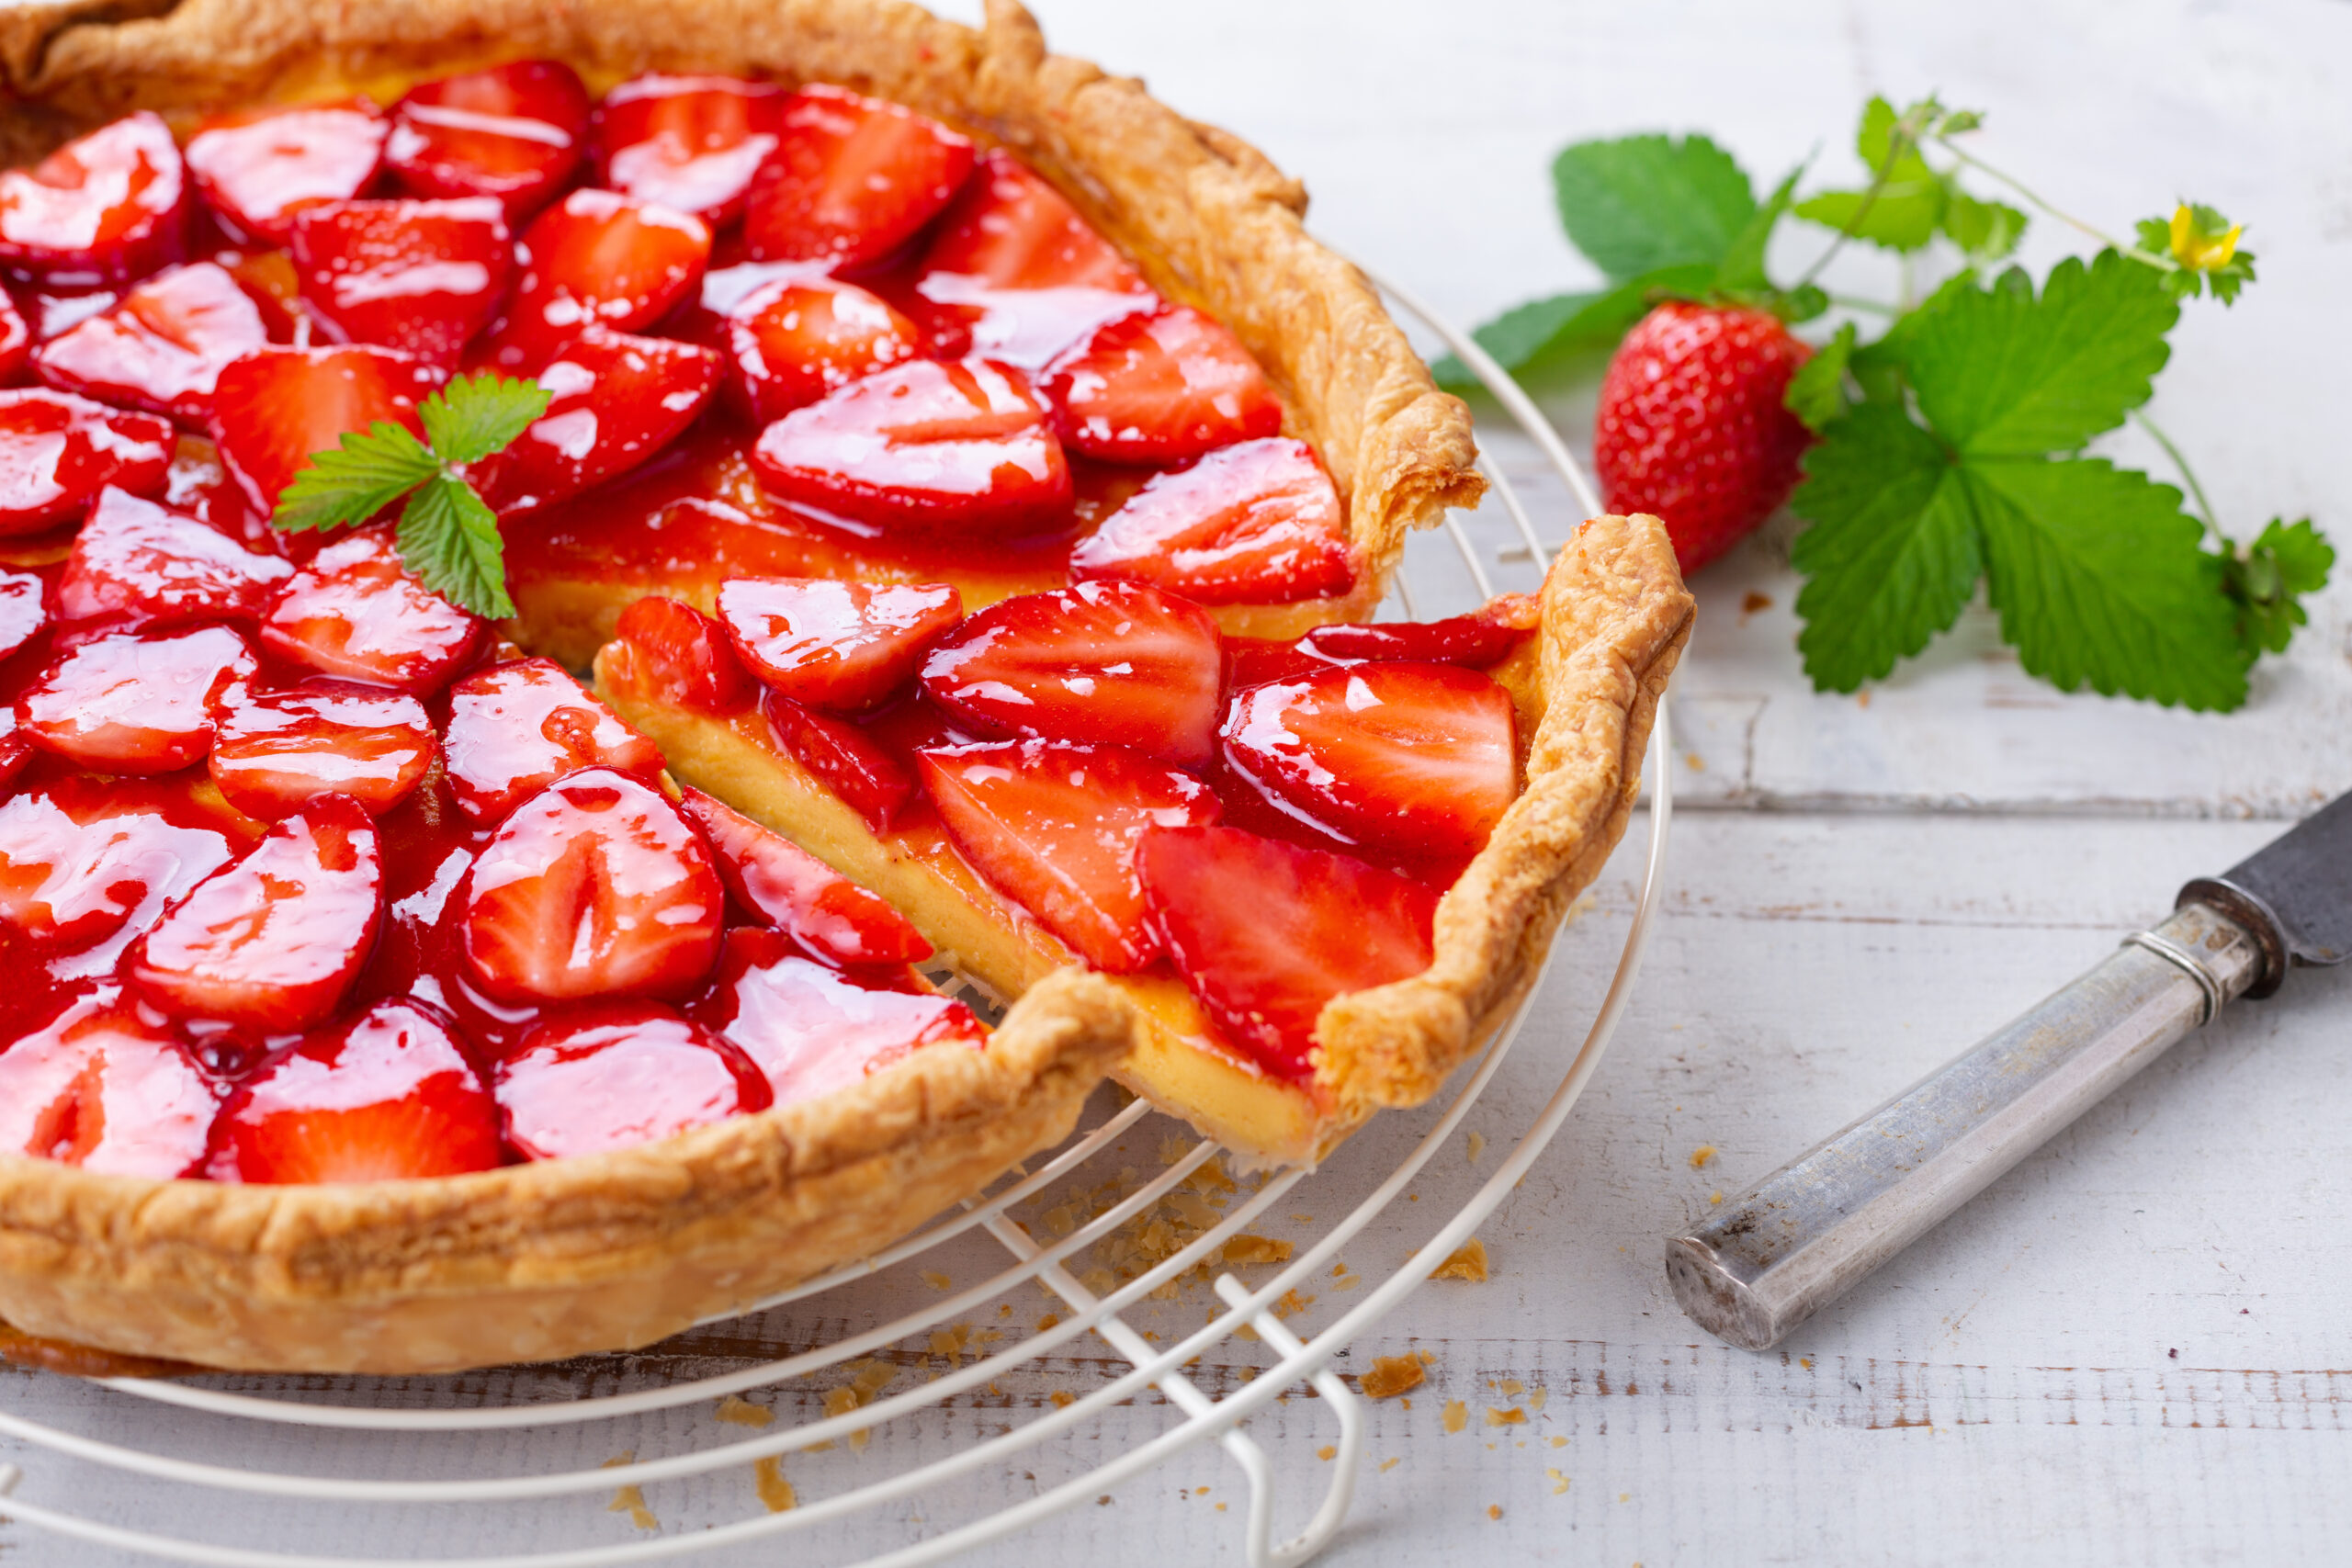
[(924, 448), (24, 612), (1477, 641), (258, 167), (275, 752), (16, 340), (1018, 274), (1253, 523), (1160, 387), (689, 142), (597, 256), (136, 701), (842, 757), (273, 940), (72, 882), (419, 277), (102, 1087), (594, 886), (812, 1029), (163, 347), (1395, 759), (843, 645), (276, 406), (1111, 663), (832, 919), (57, 451), (517, 727), (387, 1096), (144, 565), (512, 131), (1266, 934), (111, 206), (620, 1075), (614, 401), (1054, 826), (357, 611), (684, 658), (794, 340), (851, 180)]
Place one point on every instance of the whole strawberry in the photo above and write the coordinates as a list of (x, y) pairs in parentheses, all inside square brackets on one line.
[(1692, 425)]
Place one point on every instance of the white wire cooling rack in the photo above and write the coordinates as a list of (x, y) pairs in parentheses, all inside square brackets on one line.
[(273, 1446)]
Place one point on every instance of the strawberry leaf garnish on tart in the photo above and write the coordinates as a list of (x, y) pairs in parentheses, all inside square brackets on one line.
[(448, 534)]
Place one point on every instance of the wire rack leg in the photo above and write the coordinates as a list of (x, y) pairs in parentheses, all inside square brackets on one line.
[(1350, 1412)]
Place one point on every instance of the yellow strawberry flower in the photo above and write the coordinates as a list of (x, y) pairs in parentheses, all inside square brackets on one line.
[(2196, 247)]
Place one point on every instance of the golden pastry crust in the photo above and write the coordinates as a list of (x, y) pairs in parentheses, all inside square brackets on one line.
[(534, 1262), (1208, 218)]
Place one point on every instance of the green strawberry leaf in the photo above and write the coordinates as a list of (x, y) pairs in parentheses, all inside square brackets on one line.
[(1741, 266), (1817, 392), (2267, 581), (1986, 230), (1999, 373), (2100, 580), (1643, 203), (1891, 555), (450, 538), (354, 481), (1532, 337), (476, 415), (1905, 201)]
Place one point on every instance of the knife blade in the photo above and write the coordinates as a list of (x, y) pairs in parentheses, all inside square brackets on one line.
[(1820, 1225)]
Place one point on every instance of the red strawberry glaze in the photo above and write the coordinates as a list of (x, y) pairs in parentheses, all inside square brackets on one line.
[(829, 917), (135, 702), (793, 340), (356, 612), (76, 874), (57, 451), (850, 760), (690, 143), (617, 1075), (689, 654), (842, 646), (851, 180), (512, 131), (419, 277), (614, 401), (257, 168), (597, 256), (105, 1087), (15, 341), (1257, 523), (163, 347), (275, 752), (23, 614), (517, 727), (110, 205), (138, 564), (1160, 388)]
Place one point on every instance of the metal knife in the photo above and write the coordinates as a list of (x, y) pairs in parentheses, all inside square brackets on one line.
[(1812, 1229)]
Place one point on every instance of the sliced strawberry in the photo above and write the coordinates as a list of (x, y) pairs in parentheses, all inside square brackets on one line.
[(1054, 826), (812, 1029), (1113, 663), (1410, 759), (616, 400), (517, 727), (146, 565), (276, 406), (273, 940), (1160, 388), (102, 1087), (622, 1075), (275, 752), (259, 167), (1017, 273), (689, 142), (16, 750), (831, 917), (795, 340), (16, 340), (57, 451), (419, 277), (852, 179), (1266, 934), (594, 886), (163, 347), (387, 1096), (686, 659), (843, 645), (75, 882), (1255, 523), (597, 256), (135, 702), (356, 612), (924, 448), (512, 131), (1477, 641), (111, 206), (842, 757), (23, 612)]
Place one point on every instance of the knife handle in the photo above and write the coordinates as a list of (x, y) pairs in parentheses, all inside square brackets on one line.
[(1815, 1227)]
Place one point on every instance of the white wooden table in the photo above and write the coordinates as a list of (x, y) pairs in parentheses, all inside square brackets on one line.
[(2134, 1349)]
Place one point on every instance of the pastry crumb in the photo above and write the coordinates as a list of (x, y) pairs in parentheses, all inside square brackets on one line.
[(629, 1500), (1456, 1415), (1494, 1510), (1248, 1248), (1477, 1146), (1468, 1262), (1511, 1385), (1702, 1155), (1557, 1441), (1327, 1452), (1715, 1198), (743, 1413), (1062, 1398), (949, 1343), (1050, 1320), (1389, 1464), (776, 1492), (1559, 1482), (1535, 1400), (1514, 1417), (1391, 1375), (935, 1279)]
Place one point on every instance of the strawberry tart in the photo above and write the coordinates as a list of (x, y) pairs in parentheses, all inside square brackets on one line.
[(470, 867)]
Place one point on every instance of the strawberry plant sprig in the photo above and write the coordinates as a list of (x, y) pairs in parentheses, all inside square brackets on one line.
[(1949, 448), (448, 534)]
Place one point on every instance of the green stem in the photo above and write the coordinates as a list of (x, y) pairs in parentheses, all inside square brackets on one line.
[(1875, 307), (2146, 258), (1903, 139), (2180, 462)]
